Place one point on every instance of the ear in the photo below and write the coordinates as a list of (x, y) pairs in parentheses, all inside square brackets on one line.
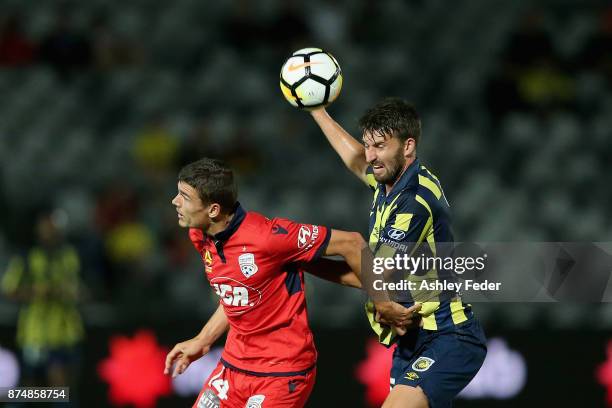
[(409, 147), (214, 210)]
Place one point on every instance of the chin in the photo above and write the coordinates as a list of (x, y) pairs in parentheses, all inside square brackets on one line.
[(384, 179)]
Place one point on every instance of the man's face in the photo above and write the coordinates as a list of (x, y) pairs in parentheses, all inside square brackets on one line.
[(192, 213), (386, 156)]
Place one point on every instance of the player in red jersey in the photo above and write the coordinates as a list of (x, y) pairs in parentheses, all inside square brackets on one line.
[(255, 265)]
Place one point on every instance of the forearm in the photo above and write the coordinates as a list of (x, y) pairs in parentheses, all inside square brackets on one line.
[(350, 150), (352, 256), (215, 327)]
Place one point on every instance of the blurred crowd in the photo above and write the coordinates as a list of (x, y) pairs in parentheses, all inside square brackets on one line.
[(65, 48), (534, 75), (131, 106)]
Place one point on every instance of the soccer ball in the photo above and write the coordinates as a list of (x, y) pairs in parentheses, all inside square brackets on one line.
[(311, 78)]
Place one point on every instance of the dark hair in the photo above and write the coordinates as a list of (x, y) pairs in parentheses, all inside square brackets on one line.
[(213, 180), (394, 117)]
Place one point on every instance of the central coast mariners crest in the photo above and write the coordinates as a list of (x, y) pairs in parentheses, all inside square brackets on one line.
[(422, 364), (247, 264)]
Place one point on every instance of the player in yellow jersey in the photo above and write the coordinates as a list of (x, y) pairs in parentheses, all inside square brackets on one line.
[(438, 355)]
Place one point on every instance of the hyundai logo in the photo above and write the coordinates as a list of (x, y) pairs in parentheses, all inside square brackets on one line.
[(396, 234)]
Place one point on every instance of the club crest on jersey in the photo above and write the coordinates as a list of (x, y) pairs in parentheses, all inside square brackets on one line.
[(256, 401), (422, 364), (247, 264)]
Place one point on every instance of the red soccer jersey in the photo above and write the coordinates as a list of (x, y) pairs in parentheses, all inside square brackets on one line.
[(253, 266)]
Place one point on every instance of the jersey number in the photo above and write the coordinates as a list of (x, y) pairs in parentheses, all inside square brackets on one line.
[(232, 296), (219, 384)]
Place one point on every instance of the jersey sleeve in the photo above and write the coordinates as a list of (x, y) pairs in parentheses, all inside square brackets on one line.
[(289, 241), (370, 180)]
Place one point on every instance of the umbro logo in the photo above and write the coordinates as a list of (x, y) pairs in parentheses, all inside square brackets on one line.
[(278, 230)]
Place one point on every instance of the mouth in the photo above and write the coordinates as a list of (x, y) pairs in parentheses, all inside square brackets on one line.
[(378, 167)]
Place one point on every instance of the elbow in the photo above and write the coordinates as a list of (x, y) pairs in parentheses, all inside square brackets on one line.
[(357, 243), (353, 248), (346, 244), (353, 245)]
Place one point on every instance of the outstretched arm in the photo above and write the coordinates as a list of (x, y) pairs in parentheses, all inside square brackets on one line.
[(350, 150), (347, 245), (183, 354)]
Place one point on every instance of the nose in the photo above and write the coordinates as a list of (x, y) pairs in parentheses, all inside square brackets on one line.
[(370, 154), (175, 200)]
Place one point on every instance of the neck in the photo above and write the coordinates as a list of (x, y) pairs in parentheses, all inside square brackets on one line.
[(220, 224), (409, 161)]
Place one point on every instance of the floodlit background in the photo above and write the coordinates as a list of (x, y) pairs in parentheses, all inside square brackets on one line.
[(101, 105)]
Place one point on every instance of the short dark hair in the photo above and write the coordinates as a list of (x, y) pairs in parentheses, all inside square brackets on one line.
[(213, 180), (394, 117)]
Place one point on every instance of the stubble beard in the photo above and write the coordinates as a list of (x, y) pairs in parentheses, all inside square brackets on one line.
[(392, 170)]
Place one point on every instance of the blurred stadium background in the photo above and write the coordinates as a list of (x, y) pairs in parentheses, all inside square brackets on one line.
[(101, 105)]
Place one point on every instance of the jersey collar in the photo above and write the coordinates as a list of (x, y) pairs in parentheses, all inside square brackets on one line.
[(237, 219), (405, 180)]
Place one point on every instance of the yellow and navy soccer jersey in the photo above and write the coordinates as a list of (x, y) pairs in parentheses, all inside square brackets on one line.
[(414, 213)]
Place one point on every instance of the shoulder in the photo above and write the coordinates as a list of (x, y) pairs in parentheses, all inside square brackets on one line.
[(261, 223), (430, 192), (197, 237), (257, 228), (429, 181), (369, 177), (256, 223), (196, 234), (266, 234), (421, 193)]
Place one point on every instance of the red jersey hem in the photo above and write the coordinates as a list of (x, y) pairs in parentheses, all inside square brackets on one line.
[(266, 371)]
